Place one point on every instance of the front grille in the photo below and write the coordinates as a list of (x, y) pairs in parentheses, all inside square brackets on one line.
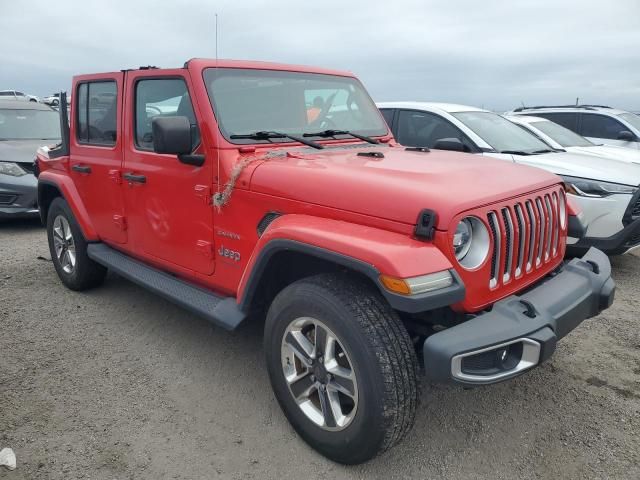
[(526, 235), (7, 198)]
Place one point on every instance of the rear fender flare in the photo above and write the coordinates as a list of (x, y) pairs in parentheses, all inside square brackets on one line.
[(68, 191)]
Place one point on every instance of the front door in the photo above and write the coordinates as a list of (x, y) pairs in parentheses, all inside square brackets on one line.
[(96, 153), (167, 203)]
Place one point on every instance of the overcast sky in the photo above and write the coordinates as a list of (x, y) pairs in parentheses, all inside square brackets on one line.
[(487, 53)]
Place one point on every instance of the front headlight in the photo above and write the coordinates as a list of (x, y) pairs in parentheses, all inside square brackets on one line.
[(471, 242), (11, 169), (462, 238), (585, 187)]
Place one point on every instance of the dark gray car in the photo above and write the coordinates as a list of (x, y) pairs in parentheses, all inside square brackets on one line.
[(24, 127)]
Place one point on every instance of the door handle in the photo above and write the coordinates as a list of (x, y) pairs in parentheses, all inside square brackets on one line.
[(81, 168), (132, 178)]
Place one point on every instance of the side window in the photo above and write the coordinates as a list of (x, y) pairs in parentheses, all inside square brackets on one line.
[(600, 126), (387, 113), (96, 113), (567, 120), (420, 129), (162, 97)]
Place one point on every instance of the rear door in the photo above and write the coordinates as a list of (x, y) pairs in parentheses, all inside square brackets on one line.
[(96, 152), (603, 129), (168, 207)]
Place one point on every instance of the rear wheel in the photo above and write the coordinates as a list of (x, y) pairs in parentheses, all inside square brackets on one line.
[(68, 249), (342, 366)]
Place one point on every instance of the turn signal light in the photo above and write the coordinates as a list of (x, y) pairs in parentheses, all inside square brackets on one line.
[(417, 285)]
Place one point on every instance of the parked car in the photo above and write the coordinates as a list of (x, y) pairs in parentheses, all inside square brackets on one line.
[(598, 123), (24, 126), (563, 139), (243, 201), (607, 191), (16, 95), (54, 100)]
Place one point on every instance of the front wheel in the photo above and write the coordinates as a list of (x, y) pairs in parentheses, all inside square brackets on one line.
[(342, 366), (68, 249)]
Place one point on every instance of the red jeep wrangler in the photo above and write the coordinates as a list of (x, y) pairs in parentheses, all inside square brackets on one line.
[(245, 188)]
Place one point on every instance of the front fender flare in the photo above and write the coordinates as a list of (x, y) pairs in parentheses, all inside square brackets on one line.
[(369, 251)]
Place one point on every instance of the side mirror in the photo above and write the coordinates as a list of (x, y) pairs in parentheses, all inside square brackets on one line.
[(626, 136), (171, 135), (453, 144)]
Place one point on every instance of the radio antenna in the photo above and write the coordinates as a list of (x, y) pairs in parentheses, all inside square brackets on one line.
[(218, 191)]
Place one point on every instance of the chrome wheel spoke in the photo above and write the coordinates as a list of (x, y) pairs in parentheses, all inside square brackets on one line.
[(342, 384), (71, 253), (301, 347), (302, 386)]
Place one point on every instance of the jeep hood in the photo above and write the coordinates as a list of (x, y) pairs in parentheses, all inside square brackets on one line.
[(585, 166), (397, 186)]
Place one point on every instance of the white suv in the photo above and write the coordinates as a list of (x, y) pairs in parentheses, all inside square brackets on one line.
[(606, 190), (560, 138), (598, 123)]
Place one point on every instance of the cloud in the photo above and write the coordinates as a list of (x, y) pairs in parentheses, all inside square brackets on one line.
[(492, 53)]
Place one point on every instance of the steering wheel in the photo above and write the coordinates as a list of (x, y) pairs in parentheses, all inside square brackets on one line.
[(321, 118), (153, 107)]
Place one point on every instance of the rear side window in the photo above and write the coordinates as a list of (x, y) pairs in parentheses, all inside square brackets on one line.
[(387, 113), (600, 126), (96, 113), (567, 120), (162, 97)]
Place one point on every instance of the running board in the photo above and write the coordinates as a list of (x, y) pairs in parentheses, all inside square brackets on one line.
[(223, 311)]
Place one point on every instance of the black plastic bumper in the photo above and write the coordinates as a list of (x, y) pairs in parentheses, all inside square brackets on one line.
[(474, 352), (616, 244)]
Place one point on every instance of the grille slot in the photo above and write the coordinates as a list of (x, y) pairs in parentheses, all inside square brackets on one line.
[(508, 227), (7, 199), (523, 238), (526, 235), (495, 257)]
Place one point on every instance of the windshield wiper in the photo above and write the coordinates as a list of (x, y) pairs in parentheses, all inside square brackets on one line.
[(333, 133), (545, 150), (515, 152), (263, 135)]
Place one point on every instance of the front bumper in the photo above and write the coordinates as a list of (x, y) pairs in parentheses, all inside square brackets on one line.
[(18, 196), (521, 331), (617, 244)]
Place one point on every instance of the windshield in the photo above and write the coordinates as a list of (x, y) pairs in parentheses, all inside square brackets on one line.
[(247, 101), (561, 135), (29, 125), (500, 133), (632, 119)]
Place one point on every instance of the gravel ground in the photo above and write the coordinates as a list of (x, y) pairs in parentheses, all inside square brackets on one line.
[(117, 383)]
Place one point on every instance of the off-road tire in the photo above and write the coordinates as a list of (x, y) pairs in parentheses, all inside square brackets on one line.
[(86, 273), (379, 347)]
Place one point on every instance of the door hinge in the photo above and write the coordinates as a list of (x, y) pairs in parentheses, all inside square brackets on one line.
[(204, 192), (115, 176), (120, 221), (204, 248)]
